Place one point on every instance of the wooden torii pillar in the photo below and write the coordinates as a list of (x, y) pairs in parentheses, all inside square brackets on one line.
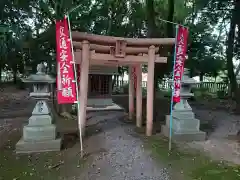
[(131, 92), (135, 93), (150, 93), (139, 96), (150, 90)]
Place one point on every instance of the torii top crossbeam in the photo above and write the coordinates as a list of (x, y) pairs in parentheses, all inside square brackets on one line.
[(130, 41), (108, 50)]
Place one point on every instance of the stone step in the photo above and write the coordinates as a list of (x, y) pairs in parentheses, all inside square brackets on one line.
[(38, 146), (184, 136), (40, 120), (183, 114), (183, 124), (39, 133)]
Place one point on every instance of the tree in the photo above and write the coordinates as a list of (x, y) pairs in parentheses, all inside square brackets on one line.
[(122, 18), (230, 48)]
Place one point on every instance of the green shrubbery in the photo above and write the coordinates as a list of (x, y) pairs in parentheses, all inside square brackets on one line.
[(221, 94), (166, 93), (202, 93)]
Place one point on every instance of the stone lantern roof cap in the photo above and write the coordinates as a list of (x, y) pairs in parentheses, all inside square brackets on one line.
[(40, 76)]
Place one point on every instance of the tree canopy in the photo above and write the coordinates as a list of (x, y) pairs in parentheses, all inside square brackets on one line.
[(27, 30)]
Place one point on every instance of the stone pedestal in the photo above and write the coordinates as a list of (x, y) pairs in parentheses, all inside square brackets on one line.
[(185, 127), (40, 134)]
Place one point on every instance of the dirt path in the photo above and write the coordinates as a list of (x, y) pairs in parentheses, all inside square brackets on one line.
[(117, 154)]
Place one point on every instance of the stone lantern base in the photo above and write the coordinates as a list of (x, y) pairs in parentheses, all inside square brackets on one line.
[(24, 147), (40, 134), (185, 127)]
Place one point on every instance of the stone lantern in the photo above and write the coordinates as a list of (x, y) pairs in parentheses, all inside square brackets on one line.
[(40, 134), (185, 126)]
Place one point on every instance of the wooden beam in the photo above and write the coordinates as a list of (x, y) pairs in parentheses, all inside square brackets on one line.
[(106, 49), (99, 39), (111, 63), (98, 58), (129, 58), (114, 63)]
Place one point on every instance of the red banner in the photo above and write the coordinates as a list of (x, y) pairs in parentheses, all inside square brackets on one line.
[(180, 56), (66, 86), (134, 75)]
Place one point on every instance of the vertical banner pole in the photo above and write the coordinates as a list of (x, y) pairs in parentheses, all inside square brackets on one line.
[(76, 82), (173, 89)]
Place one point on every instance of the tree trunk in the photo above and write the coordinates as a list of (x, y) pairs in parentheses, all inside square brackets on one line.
[(0, 73), (15, 75), (230, 48), (1, 67), (201, 79), (49, 65), (117, 81), (114, 81), (230, 53), (170, 18), (151, 17), (238, 42), (152, 32)]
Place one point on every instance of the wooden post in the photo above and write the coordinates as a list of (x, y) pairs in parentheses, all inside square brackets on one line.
[(78, 58), (131, 93), (150, 90), (139, 96), (120, 48), (84, 84)]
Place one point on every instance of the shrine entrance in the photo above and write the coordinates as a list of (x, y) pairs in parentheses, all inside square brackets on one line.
[(107, 51)]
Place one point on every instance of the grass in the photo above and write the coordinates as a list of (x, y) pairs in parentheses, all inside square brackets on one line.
[(38, 166), (27, 167), (193, 165)]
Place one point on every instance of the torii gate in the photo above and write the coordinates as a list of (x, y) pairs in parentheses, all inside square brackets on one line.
[(114, 51)]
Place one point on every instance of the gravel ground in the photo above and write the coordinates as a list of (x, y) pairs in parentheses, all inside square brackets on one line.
[(114, 152), (120, 155)]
